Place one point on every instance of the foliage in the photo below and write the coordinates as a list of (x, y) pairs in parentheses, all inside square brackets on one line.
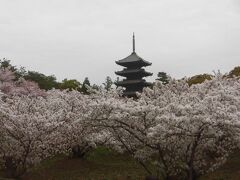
[(163, 77), (44, 82), (28, 132), (96, 87), (198, 79), (34, 128), (116, 82), (5, 63), (235, 72), (10, 85), (186, 131), (181, 131), (85, 85), (71, 84), (108, 83)]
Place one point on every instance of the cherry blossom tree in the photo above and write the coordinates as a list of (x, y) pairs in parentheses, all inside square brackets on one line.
[(197, 125), (186, 131), (34, 128), (76, 134), (172, 130), (28, 132), (6, 80), (11, 86)]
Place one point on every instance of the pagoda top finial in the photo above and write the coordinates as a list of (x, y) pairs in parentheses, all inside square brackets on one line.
[(133, 43)]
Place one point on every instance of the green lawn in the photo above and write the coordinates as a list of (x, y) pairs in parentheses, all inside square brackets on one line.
[(103, 164), (229, 171)]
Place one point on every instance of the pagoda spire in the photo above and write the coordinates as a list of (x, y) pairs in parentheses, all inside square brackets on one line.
[(133, 43)]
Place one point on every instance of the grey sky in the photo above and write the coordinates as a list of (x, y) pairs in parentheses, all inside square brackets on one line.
[(79, 38)]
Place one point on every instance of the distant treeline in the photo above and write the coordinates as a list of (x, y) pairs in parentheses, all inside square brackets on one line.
[(48, 82)]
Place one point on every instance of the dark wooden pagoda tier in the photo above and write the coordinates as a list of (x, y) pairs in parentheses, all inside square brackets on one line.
[(139, 82), (133, 61), (133, 73)]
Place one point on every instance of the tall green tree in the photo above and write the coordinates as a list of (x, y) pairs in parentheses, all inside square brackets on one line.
[(86, 83), (116, 81), (4, 63), (163, 77), (108, 83)]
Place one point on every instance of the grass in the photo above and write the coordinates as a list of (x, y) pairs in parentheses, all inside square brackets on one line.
[(103, 164), (100, 164), (229, 171)]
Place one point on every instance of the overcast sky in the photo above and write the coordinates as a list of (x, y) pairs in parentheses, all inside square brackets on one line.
[(84, 38)]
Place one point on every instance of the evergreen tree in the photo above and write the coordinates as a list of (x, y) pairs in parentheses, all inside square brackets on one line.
[(86, 83), (163, 77), (108, 83), (44, 82)]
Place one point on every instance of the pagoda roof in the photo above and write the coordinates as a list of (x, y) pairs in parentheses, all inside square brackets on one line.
[(131, 82), (133, 59), (133, 71)]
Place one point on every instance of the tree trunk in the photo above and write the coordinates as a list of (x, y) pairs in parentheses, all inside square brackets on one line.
[(191, 174), (14, 169), (80, 151), (151, 178)]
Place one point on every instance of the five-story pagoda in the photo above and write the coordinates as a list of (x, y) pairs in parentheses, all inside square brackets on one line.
[(134, 73)]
